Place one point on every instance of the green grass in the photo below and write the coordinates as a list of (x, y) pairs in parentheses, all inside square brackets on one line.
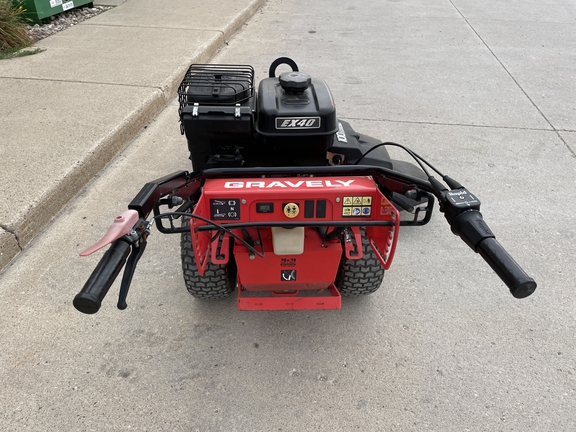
[(19, 52), (13, 34)]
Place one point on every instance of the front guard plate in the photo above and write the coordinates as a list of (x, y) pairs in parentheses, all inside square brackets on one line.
[(326, 299)]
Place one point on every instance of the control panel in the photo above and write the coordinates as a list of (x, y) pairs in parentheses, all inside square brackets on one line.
[(294, 199), (301, 202)]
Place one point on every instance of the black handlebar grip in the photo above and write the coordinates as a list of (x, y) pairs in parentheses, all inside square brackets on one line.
[(520, 284), (89, 299)]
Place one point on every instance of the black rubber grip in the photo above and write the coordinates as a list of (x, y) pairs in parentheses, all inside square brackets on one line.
[(520, 284), (89, 299)]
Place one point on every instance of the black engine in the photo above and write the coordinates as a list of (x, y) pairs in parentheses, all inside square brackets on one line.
[(290, 121)]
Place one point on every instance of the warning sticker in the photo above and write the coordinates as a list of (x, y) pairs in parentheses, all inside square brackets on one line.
[(385, 210), (357, 206), (225, 209)]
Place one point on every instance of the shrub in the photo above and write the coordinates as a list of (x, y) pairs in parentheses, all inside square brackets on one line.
[(13, 34)]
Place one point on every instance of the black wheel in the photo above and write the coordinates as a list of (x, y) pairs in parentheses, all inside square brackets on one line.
[(218, 280), (360, 277)]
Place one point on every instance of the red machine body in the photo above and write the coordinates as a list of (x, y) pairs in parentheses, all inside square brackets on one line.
[(297, 210), (286, 203)]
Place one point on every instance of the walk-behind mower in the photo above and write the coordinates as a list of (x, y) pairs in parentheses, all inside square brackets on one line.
[(286, 203)]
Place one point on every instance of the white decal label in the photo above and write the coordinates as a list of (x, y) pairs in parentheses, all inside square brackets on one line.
[(341, 135), (284, 184), (297, 122)]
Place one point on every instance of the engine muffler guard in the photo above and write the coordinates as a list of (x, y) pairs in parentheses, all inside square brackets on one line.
[(251, 207)]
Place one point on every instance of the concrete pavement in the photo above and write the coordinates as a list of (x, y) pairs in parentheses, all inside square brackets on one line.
[(442, 346), (64, 113)]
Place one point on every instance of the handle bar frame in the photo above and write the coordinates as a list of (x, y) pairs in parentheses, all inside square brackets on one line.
[(184, 188)]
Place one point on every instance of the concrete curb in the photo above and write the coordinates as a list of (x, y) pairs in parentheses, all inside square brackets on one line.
[(15, 237), (8, 247)]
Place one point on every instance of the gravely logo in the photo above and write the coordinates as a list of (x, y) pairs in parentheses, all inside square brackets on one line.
[(288, 275), (297, 122), (285, 184)]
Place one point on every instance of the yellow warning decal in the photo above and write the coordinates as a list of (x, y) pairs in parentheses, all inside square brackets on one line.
[(357, 206)]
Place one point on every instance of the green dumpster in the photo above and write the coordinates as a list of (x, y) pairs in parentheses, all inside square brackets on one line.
[(38, 10)]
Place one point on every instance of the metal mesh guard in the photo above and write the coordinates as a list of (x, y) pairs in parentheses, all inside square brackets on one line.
[(218, 84)]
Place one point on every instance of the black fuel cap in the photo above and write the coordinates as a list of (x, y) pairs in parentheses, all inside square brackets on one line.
[(295, 82)]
